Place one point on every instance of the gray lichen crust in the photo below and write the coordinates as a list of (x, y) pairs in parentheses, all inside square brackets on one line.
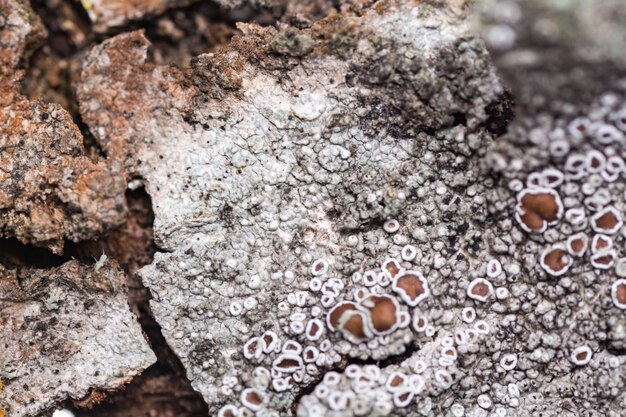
[(329, 198), (64, 332), (273, 168), (49, 189), (561, 165)]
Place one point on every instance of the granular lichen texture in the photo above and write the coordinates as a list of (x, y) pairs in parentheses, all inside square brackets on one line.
[(376, 208), (64, 332), (310, 221)]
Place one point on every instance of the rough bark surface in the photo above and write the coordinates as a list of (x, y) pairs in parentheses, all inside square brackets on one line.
[(69, 330), (279, 202), (275, 167), (49, 190)]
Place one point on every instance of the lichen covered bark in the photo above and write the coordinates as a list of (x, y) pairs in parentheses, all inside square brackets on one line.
[(348, 225), (294, 147), (64, 332)]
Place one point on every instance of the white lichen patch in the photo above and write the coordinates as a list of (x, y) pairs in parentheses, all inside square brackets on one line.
[(372, 390)]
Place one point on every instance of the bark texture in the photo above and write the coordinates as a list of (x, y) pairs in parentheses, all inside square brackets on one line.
[(292, 196), (107, 15), (49, 190)]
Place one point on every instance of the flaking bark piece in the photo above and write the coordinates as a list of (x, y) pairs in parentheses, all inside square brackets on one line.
[(64, 332), (49, 190), (267, 156)]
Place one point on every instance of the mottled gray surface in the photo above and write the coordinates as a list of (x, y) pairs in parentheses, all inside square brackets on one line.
[(66, 331), (563, 62), (296, 146)]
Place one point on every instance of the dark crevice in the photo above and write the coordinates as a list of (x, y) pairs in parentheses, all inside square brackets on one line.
[(15, 254), (131, 244), (364, 227), (500, 113), (459, 119), (607, 346), (67, 25), (410, 350), (92, 146), (179, 34)]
